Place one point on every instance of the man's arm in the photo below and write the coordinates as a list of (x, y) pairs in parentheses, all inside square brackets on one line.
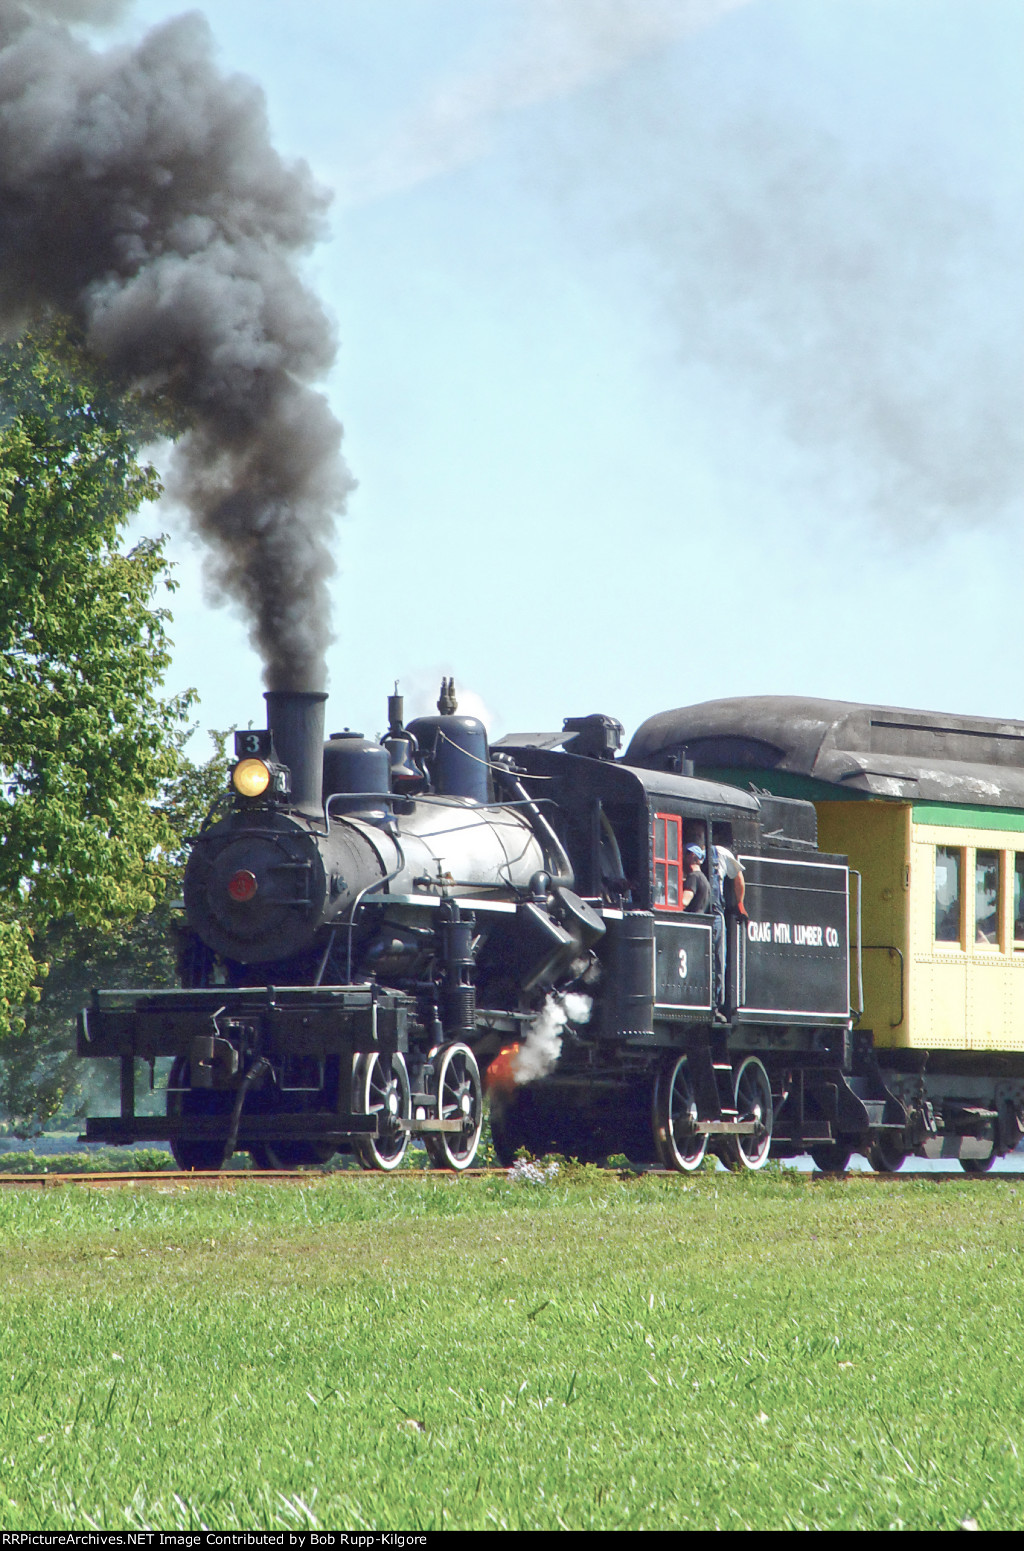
[(734, 872)]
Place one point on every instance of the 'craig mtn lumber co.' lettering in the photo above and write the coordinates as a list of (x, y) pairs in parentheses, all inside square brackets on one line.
[(799, 936)]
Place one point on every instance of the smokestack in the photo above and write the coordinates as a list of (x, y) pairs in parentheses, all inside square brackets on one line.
[(296, 721), (140, 195)]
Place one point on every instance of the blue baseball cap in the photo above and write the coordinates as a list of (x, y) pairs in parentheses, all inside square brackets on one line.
[(697, 851)]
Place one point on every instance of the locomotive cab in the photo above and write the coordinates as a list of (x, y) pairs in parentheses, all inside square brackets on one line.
[(713, 1055)]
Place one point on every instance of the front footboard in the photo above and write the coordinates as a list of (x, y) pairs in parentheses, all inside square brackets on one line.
[(292, 1048)]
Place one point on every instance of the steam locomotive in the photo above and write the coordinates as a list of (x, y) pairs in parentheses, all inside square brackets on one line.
[(377, 930)]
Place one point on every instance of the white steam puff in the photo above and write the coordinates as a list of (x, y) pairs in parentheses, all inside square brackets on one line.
[(141, 196), (540, 1050)]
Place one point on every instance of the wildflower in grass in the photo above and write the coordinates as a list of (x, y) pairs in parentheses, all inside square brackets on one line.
[(525, 1172)]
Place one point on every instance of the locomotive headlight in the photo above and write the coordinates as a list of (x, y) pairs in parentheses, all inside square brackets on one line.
[(250, 777)]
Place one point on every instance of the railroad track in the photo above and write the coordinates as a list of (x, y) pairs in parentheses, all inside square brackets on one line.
[(171, 1178), (168, 1179)]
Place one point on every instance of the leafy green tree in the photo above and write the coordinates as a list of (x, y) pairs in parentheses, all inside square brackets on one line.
[(87, 745), (41, 1065)]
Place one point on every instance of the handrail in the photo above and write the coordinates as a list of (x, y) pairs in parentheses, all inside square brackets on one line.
[(860, 961), (888, 947)]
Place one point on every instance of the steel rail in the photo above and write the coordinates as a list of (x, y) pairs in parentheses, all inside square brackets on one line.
[(168, 1178), (231, 1177)]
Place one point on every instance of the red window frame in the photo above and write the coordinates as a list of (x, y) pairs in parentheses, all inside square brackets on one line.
[(668, 869)]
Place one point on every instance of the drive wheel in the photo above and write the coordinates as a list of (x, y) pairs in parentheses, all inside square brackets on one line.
[(674, 1112), (832, 1157), (885, 1156), (460, 1096), (206, 1156), (753, 1102), (380, 1086)]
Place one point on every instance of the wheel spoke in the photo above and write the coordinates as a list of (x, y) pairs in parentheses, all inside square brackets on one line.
[(753, 1102), (380, 1087), (674, 1115), (459, 1097)]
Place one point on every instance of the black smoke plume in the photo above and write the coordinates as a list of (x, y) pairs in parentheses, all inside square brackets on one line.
[(141, 196)]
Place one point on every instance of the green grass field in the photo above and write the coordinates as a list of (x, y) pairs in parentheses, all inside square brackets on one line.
[(401, 1354)]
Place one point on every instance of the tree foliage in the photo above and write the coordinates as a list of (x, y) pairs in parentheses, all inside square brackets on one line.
[(87, 745), (41, 1073)]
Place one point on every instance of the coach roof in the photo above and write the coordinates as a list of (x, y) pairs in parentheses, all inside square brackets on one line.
[(881, 751)]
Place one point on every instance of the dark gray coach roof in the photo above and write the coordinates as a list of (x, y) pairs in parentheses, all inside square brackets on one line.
[(882, 751)]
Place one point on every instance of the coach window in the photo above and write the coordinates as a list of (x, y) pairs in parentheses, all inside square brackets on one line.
[(1018, 901), (668, 861), (986, 898), (947, 894)]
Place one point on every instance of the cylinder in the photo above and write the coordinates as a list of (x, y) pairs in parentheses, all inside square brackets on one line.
[(296, 721)]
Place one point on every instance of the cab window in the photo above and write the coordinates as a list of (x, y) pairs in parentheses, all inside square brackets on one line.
[(668, 861), (947, 894)]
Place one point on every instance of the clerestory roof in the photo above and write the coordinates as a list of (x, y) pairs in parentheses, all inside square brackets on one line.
[(880, 751)]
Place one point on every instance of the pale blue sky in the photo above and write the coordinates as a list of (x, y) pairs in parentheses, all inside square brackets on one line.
[(675, 361)]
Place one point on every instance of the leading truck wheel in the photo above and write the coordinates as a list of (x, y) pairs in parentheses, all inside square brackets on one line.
[(753, 1102), (207, 1156), (460, 1096), (380, 1086), (674, 1111)]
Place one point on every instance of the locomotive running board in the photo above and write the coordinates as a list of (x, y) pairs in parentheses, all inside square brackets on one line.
[(297, 1020)]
